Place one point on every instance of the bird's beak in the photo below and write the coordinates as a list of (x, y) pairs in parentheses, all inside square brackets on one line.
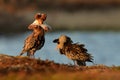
[(55, 40)]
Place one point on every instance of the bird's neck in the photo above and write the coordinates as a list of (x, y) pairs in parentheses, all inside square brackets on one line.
[(60, 46), (38, 32)]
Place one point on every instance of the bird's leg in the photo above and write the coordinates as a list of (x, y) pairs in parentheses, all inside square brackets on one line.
[(75, 63), (80, 63), (28, 54), (84, 64), (32, 54)]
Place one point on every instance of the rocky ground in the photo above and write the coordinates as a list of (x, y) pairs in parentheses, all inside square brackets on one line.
[(19, 68)]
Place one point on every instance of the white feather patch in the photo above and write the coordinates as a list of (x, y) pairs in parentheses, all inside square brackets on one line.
[(36, 22), (46, 26)]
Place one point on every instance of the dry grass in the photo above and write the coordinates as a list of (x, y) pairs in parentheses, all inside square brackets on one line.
[(23, 68)]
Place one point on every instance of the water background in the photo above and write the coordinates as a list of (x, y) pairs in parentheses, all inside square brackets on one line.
[(104, 46)]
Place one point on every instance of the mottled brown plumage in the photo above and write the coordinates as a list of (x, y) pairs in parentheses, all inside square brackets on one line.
[(34, 41), (73, 51)]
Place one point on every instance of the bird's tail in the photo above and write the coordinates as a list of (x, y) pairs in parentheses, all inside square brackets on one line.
[(90, 58), (22, 52)]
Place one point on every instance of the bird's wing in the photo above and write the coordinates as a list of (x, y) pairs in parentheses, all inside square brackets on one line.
[(78, 52), (84, 52), (79, 47), (29, 42), (40, 42)]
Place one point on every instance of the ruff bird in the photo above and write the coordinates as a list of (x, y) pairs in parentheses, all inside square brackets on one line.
[(34, 41), (74, 51)]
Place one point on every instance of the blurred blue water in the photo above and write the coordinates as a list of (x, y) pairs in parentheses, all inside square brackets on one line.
[(104, 46)]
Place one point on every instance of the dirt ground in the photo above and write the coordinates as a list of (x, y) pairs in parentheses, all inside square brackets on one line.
[(24, 68)]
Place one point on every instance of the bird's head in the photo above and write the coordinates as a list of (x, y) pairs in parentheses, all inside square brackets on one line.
[(37, 16), (43, 16), (62, 41), (39, 19), (40, 16)]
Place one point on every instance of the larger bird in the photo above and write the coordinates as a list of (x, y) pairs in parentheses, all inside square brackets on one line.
[(34, 41), (73, 51)]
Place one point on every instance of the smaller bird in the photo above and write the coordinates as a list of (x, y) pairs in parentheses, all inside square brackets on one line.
[(34, 41), (73, 51)]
